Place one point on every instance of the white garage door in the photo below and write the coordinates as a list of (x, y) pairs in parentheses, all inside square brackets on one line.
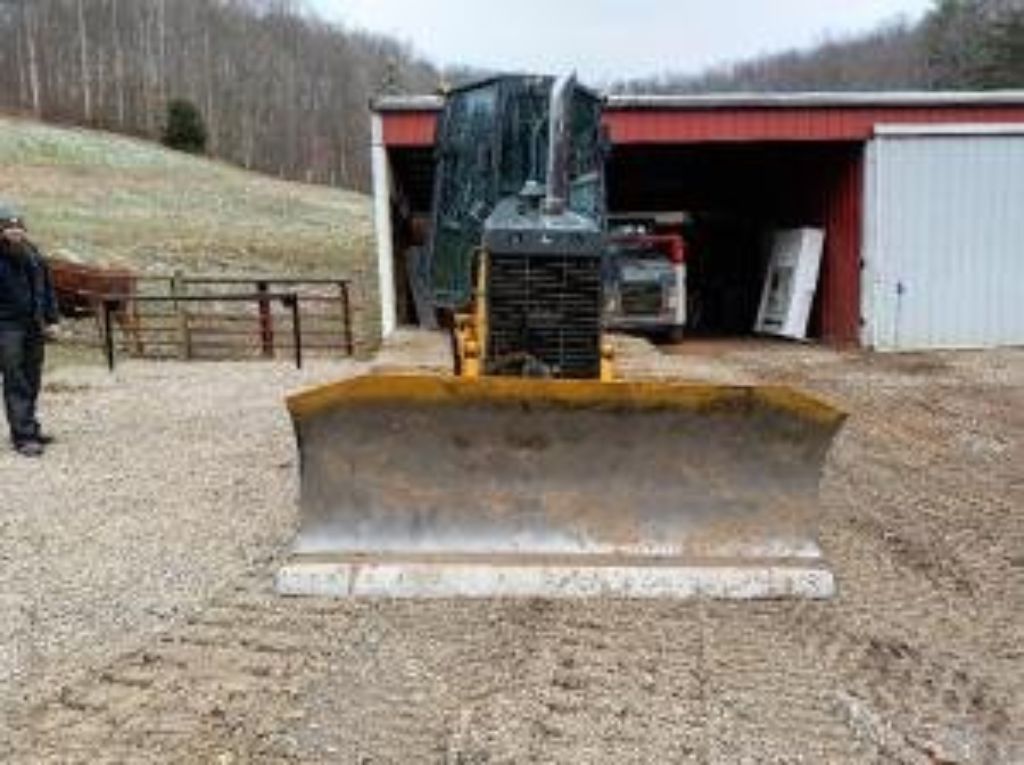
[(944, 238)]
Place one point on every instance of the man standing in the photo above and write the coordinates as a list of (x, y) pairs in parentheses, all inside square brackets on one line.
[(27, 309)]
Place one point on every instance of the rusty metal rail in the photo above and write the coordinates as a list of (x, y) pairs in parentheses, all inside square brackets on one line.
[(264, 284), (310, 289), (161, 318), (184, 341)]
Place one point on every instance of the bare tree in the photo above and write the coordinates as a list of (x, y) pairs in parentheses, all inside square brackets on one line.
[(282, 91), (83, 48), (31, 64), (959, 44)]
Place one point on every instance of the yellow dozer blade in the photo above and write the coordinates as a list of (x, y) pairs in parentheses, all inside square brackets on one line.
[(429, 486)]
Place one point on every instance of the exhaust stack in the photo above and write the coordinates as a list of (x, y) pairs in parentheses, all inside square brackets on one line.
[(559, 144)]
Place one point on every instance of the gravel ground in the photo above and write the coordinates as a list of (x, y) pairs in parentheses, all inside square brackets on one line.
[(137, 623), (167, 482)]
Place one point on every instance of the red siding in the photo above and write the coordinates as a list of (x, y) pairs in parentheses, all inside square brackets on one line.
[(653, 126), (788, 124), (838, 307), (839, 296), (408, 129)]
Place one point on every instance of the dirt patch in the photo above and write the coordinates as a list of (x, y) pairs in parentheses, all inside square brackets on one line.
[(910, 363), (59, 387)]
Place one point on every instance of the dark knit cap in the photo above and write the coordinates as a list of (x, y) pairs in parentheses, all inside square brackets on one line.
[(10, 217)]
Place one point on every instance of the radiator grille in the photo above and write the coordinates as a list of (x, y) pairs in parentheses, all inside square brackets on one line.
[(548, 308), (641, 298)]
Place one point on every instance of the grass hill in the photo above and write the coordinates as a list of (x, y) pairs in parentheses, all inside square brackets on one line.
[(107, 198)]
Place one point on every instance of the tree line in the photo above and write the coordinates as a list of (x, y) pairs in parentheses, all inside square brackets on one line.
[(284, 92), (280, 90), (959, 44)]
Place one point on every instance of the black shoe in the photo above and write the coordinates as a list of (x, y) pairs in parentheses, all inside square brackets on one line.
[(45, 439), (29, 448)]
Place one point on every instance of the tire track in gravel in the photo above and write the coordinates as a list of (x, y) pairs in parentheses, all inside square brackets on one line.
[(413, 668), (616, 681), (209, 687), (921, 680), (915, 704), (918, 660), (253, 678), (953, 524), (769, 700), (549, 681), (923, 647)]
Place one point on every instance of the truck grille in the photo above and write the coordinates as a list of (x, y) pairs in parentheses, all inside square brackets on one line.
[(546, 308), (641, 298)]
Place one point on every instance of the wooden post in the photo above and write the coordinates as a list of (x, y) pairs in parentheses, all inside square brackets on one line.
[(346, 316), (293, 301), (178, 288), (108, 334), (184, 334), (134, 319), (266, 321)]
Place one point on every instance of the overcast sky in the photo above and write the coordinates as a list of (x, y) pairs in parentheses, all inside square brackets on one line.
[(609, 39)]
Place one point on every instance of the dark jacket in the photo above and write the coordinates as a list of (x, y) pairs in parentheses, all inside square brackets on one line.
[(26, 288)]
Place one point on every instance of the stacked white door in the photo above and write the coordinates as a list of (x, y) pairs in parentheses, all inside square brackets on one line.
[(944, 238), (789, 288)]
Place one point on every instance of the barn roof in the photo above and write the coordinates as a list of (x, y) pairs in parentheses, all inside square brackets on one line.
[(823, 100)]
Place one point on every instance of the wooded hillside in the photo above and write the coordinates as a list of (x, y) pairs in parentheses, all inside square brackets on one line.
[(286, 93), (960, 44), (280, 90)]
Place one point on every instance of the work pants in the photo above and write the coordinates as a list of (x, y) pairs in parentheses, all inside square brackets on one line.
[(21, 364)]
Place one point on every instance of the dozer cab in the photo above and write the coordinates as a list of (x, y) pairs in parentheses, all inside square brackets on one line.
[(531, 470)]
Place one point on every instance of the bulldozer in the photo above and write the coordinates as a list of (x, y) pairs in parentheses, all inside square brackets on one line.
[(531, 470)]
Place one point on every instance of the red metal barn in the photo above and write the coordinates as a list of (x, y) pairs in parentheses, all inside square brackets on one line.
[(909, 187)]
